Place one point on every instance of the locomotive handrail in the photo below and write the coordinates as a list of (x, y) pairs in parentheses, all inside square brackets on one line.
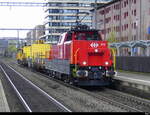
[(114, 58), (76, 58)]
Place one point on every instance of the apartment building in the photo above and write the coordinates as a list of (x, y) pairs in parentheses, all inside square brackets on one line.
[(62, 14), (37, 33), (129, 20)]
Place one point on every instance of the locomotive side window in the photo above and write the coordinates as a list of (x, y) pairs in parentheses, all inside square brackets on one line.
[(88, 36), (81, 36), (69, 37)]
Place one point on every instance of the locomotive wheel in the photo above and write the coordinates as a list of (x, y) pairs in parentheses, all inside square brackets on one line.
[(63, 77), (71, 81), (49, 73), (53, 74), (66, 79)]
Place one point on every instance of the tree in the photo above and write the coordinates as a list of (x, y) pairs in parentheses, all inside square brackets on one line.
[(12, 48), (112, 37)]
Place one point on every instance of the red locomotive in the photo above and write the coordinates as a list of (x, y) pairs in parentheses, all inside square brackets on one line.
[(81, 57)]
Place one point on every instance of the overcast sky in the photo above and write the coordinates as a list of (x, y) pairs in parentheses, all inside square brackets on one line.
[(20, 17)]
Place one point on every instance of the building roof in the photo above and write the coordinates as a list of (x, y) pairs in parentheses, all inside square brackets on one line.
[(102, 5), (107, 4)]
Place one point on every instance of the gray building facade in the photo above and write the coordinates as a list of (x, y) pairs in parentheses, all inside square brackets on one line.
[(128, 19)]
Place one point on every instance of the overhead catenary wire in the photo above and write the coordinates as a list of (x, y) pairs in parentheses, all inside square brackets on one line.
[(24, 4), (23, 29)]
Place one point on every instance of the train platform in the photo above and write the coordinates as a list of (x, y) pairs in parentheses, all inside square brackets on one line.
[(3, 101), (134, 79)]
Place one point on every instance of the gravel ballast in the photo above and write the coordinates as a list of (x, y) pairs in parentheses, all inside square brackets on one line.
[(75, 100)]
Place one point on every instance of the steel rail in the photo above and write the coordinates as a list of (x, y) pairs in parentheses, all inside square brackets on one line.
[(100, 97), (19, 95), (115, 103), (47, 95), (121, 95)]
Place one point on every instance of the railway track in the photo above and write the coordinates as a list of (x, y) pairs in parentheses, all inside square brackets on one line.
[(96, 95), (140, 104), (116, 98), (31, 96)]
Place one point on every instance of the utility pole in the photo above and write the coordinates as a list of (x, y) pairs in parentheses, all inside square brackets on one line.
[(95, 9), (18, 39)]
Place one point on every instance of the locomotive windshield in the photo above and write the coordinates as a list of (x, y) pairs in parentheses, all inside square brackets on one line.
[(88, 36)]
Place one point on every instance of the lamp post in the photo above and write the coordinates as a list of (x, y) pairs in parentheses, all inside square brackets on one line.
[(18, 39), (137, 37), (136, 22)]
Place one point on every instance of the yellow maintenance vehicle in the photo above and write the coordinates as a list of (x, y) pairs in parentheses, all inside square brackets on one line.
[(23, 54), (34, 55)]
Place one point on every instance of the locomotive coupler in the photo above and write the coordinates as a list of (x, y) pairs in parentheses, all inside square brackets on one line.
[(82, 73), (111, 73)]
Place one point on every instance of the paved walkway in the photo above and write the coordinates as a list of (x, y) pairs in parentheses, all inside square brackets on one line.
[(134, 77), (3, 102)]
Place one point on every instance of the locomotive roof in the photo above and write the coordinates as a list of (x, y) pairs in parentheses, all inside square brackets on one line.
[(81, 28), (90, 30)]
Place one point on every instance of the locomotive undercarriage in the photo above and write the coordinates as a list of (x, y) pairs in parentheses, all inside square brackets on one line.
[(93, 76), (84, 76)]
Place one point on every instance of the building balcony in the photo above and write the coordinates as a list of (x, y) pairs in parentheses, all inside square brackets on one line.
[(76, 1), (58, 27), (65, 21), (72, 8)]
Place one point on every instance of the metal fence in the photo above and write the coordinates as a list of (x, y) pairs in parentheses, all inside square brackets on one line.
[(136, 64)]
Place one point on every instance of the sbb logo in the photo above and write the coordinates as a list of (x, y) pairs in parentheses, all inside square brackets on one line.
[(94, 45)]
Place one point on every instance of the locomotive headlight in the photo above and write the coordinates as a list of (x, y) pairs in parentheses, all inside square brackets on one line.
[(106, 63), (96, 50), (84, 63)]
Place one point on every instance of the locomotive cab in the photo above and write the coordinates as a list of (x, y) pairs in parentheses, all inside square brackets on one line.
[(84, 57), (91, 57)]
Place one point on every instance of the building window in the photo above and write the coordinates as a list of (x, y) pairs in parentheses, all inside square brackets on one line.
[(107, 20), (135, 25), (102, 12), (124, 3), (134, 1), (125, 15), (117, 6), (127, 2), (117, 28), (107, 10), (134, 12)]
